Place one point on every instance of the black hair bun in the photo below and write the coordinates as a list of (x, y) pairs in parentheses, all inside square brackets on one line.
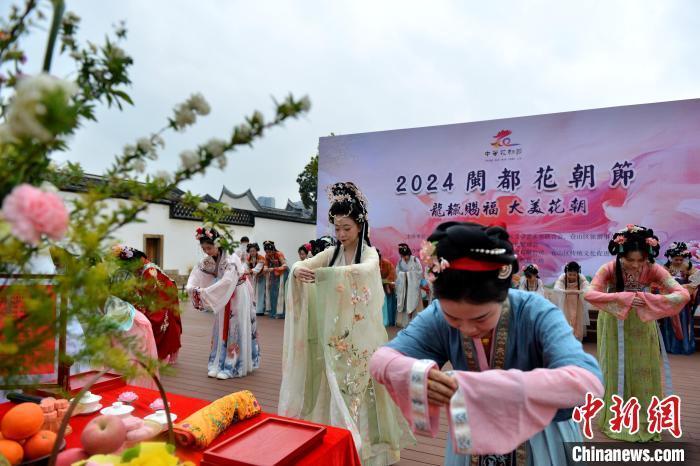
[(465, 239)]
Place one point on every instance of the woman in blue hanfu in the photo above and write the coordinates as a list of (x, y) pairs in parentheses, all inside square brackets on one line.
[(678, 330), (219, 283), (518, 369)]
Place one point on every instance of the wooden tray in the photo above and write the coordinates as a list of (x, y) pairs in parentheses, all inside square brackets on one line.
[(272, 442)]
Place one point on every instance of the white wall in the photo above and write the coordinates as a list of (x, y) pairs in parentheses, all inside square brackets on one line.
[(180, 249), (288, 236)]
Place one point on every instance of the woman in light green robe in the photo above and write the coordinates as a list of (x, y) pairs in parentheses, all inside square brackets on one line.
[(333, 326)]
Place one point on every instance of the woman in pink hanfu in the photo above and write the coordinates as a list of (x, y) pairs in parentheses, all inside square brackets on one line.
[(630, 345), (518, 369)]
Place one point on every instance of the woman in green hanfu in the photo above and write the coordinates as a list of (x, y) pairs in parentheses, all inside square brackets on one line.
[(333, 326), (630, 345)]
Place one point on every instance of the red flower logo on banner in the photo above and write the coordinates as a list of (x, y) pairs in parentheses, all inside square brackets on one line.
[(502, 139)]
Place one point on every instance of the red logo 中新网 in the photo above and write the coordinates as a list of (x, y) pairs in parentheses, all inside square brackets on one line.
[(502, 139)]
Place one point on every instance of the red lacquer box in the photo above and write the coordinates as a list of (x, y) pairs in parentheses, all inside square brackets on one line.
[(272, 442)]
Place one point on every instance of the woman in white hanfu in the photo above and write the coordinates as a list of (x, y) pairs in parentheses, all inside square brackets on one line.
[(568, 296), (333, 326), (409, 273), (219, 283), (531, 280)]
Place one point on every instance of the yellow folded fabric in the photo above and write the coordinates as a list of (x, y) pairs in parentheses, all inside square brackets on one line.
[(202, 427)]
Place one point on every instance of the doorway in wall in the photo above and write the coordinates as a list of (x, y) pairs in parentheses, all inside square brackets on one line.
[(153, 247)]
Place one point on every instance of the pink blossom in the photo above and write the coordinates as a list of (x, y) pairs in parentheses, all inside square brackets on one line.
[(620, 240), (427, 250), (33, 212)]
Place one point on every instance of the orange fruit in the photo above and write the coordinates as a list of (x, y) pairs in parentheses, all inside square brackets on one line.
[(12, 451), (22, 421), (40, 444)]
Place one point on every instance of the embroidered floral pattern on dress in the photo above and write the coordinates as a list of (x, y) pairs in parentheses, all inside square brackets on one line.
[(356, 360)]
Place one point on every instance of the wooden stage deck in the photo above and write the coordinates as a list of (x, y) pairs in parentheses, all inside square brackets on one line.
[(191, 379)]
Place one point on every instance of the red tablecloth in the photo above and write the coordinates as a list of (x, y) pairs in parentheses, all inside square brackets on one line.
[(337, 448)]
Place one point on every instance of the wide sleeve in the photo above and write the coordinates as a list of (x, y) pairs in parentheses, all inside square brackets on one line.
[(522, 285), (218, 294), (492, 412), (618, 303), (558, 346), (423, 338), (558, 295), (663, 305), (315, 262)]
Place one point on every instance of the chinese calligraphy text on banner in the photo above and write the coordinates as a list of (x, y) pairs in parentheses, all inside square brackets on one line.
[(562, 183)]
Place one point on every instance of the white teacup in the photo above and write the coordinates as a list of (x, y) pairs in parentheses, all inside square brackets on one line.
[(89, 402)]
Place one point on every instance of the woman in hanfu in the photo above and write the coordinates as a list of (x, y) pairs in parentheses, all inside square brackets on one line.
[(568, 294), (157, 299), (219, 283), (275, 275), (530, 281), (409, 273), (255, 269), (333, 325), (388, 274), (678, 331), (518, 370), (630, 350)]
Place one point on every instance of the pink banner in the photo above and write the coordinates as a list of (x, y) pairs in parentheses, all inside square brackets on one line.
[(562, 183)]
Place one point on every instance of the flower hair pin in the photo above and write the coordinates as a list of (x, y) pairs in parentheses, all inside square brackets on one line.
[(436, 265), (123, 252), (204, 233), (620, 240)]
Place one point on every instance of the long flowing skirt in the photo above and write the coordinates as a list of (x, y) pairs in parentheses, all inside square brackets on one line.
[(331, 331), (642, 374), (389, 310), (239, 353)]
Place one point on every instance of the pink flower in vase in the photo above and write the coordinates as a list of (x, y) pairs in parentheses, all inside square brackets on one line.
[(158, 404), (33, 212), (128, 397)]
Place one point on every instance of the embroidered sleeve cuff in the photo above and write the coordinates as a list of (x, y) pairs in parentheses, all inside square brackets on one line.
[(420, 414)]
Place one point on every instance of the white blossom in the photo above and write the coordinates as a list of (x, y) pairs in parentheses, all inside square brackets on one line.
[(163, 176), (129, 150), (48, 187), (139, 166), (216, 147), (222, 161), (144, 144), (118, 52), (199, 104), (190, 159), (244, 130), (27, 106), (184, 116), (202, 206)]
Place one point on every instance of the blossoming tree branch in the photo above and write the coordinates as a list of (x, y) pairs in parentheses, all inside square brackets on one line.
[(40, 114)]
